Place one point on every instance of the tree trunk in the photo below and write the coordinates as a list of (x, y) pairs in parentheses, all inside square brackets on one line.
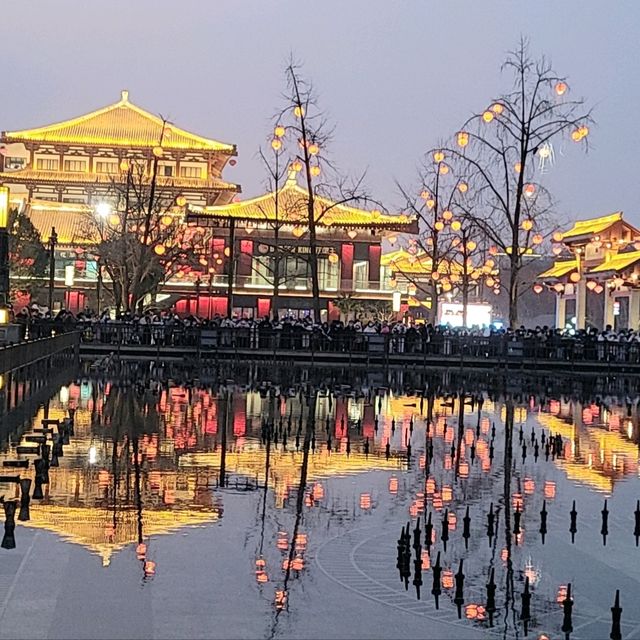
[(465, 300), (513, 295)]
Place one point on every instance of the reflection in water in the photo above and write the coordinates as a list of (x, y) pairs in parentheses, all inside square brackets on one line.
[(483, 487)]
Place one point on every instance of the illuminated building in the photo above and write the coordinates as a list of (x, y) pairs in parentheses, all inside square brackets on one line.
[(598, 265), (349, 248), (78, 160)]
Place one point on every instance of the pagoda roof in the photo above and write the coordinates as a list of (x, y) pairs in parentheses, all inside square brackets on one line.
[(121, 124), (69, 220), (421, 264), (618, 262), (292, 209), (387, 259), (593, 226), (560, 268)]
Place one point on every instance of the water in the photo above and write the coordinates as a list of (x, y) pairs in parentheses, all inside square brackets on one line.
[(217, 511)]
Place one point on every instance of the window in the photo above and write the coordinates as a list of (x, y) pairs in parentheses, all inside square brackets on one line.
[(74, 200), (47, 164), (262, 270), (361, 275), (328, 274), (296, 272), (15, 163), (191, 172), (166, 170), (109, 166), (75, 165)]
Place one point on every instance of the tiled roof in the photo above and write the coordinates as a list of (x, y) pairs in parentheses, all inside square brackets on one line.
[(592, 226), (121, 124), (619, 262), (292, 208), (71, 221), (421, 264), (57, 177), (559, 269)]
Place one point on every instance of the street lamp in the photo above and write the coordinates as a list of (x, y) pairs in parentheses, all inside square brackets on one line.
[(103, 211), (53, 241), (4, 251)]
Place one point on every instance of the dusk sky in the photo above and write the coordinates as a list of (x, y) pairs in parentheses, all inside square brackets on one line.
[(394, 77)]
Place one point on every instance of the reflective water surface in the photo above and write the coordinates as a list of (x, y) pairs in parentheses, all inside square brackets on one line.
[(176, 508)]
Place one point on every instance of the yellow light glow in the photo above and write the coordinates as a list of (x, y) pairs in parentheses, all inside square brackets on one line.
[(487, 116), (463, 138), (438, 156), (456, 225), (4, 207), (279, 131), (276, 145)]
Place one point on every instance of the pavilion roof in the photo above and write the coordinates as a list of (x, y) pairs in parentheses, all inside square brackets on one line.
[(421, 264), (618, 262), (121, 124), (71, 222), (292, 209), (592, 226), (560, 268)]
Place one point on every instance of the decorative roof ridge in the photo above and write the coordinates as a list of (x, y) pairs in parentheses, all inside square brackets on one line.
[(123, 102)]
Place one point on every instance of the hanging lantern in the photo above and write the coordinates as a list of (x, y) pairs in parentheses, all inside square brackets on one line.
[(496, 291), (435, 275), (583, 131), (462, 138), (490, 263), (444, 169), (279, 131), (276, 144), (557, 249), (446, 286), (574, 277), (393, 282), (114, 219), (333, 257), (493, 250), (576, 136), (314, 149), (559, 287), (392, 239), (471, 245), (425, 195), (124, 165), (159, 249), (475, 275), (487, 116), (456, 225), (439, 225), (447, 215), (537, 238), (527, 224), (438, 156), (412, 289), (463, 187), (538, 288), (431, 203), (315, 170), (297, 166), (557, 236), (203, 262), (352, 233), (618, 281), (529, 190), (490, 282), (249, 228), (561, 88), (591, 285), (158, 152), (497, 108), (598, 289), (298, 231), (298, 111)]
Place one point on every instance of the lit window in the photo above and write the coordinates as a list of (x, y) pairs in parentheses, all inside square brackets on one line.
[(75, 165), (106, 167), (47, 164), (191, 172)]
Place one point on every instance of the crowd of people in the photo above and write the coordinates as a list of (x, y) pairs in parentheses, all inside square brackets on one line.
[(166, 328)]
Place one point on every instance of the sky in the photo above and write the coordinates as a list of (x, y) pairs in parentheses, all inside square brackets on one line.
[(394, 77)]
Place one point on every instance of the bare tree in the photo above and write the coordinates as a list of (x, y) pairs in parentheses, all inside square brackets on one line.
[(497, 152), (142, 238)]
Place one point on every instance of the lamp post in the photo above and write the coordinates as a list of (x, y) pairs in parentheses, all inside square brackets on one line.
[(4, 247), (53, 241)]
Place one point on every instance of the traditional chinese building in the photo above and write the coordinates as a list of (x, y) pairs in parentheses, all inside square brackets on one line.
[(79, 160), (257, 234), (596, 277)]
